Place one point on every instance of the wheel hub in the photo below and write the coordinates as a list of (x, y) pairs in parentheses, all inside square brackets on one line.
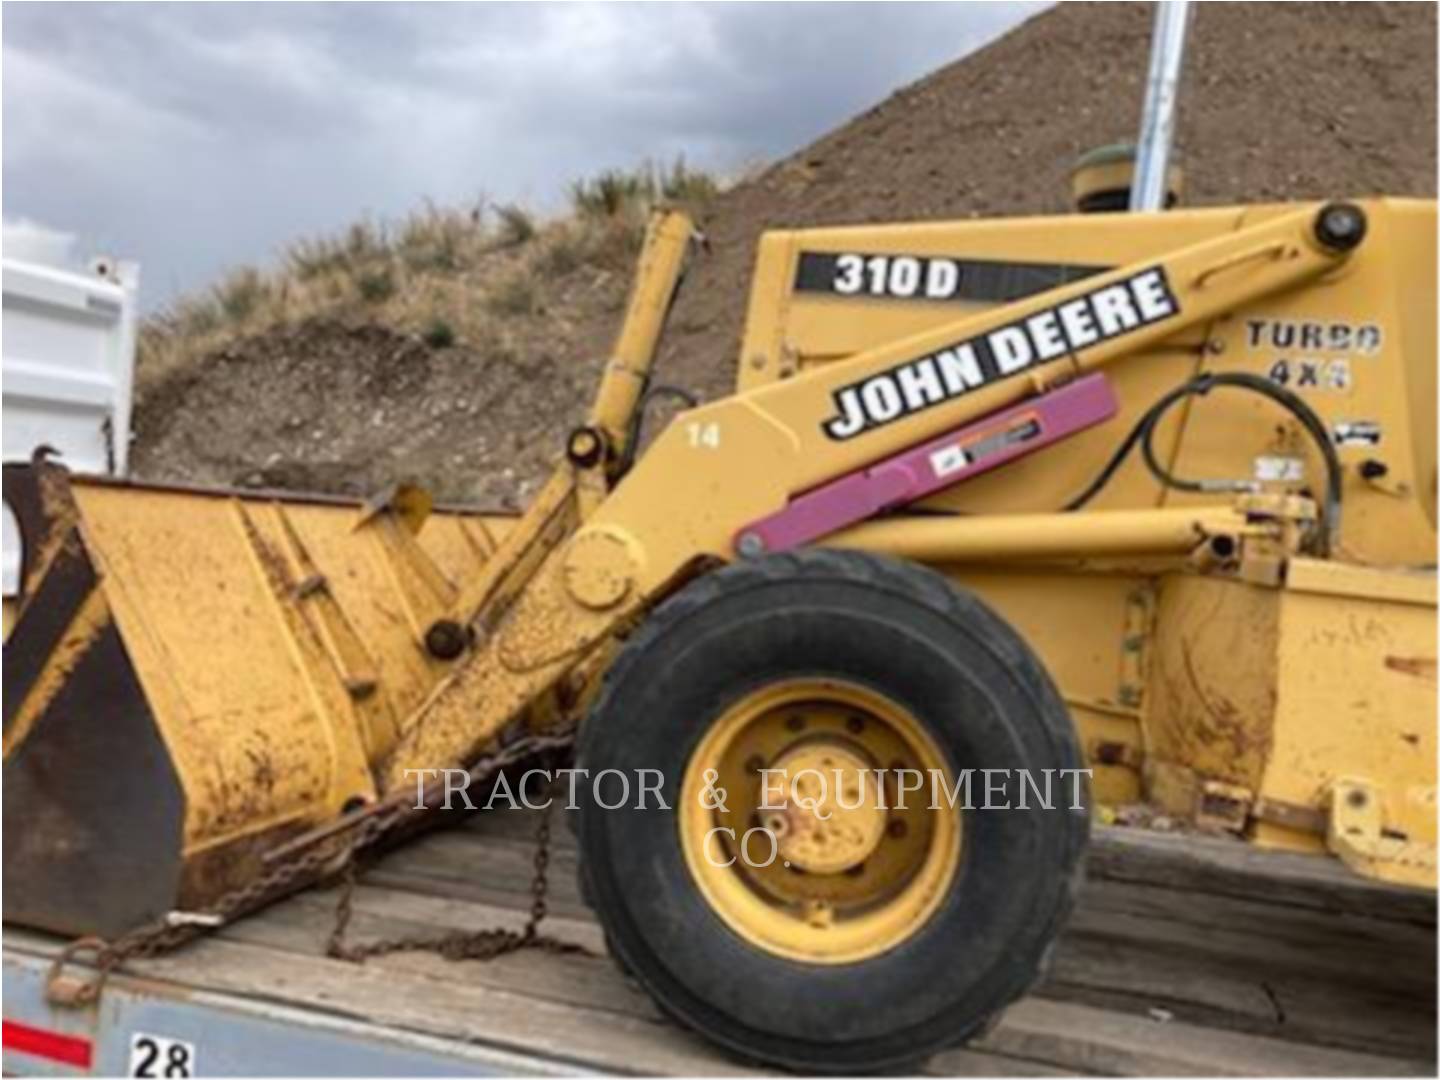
[(809, 856), (829, 817)]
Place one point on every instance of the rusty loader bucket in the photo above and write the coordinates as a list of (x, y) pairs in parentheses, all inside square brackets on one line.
[(193, 677)]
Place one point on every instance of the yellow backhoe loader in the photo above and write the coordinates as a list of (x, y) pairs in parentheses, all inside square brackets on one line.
[(1006, 523)]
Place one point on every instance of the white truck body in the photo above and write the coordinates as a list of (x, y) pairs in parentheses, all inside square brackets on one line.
[(67, 372)]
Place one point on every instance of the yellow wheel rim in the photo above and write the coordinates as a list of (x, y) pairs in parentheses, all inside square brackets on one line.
[(828, 845)]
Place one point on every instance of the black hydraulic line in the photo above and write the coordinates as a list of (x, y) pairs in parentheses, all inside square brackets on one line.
[(1144, 431), (637, 425)]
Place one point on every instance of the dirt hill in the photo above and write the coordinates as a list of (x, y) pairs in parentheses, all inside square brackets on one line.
[(1280, 101)]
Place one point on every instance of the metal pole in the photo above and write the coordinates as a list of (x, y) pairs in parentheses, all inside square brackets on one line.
[(1157, 122)]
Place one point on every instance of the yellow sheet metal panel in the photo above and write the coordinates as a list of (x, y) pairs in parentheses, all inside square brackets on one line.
[(1358, 347), (1413, 242), (1398, 585), (1355, 698), (1084, 627), (1210, 700), (1279, 695)]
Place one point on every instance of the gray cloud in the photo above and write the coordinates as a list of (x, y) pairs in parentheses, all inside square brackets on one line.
[(198, 136)]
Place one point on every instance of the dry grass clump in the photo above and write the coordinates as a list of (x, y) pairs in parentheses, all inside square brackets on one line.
[(516, 292), (446, 274), (515, 225), (617, 193)]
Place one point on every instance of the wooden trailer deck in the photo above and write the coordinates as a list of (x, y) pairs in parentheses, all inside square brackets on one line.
[(1186, 956)]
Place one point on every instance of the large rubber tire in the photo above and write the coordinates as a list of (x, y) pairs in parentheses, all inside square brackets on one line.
[(983, 697)]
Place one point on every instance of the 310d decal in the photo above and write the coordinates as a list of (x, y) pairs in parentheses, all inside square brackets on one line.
[(931, 277)]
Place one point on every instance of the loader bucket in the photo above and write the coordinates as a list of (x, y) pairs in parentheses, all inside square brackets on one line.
[(194, 676)]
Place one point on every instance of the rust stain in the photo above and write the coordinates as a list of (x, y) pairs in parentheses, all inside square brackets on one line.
[(262, 770), (57, 504), (207, 875), (1227, 723), (1421, 667)]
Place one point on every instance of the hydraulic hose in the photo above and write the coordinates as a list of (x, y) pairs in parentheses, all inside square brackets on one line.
[(637, 424), (1143, 433)]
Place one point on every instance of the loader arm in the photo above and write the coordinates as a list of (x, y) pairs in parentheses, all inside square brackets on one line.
[(554, 595)]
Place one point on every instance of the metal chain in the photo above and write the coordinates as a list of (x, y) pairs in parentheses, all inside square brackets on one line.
[(305, 867), (458, 944), (164, 935)]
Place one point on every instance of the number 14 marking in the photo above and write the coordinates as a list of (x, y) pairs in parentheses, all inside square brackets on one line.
[(704, 436)]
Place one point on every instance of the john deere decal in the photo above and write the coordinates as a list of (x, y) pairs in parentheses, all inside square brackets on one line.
[(1047, 335)]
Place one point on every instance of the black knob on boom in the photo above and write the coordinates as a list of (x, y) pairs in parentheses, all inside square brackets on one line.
[(1340, 226)]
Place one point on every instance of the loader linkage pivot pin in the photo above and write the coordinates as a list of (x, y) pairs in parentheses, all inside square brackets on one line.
[(751, 545), (585, 447), (446, 639), (1340, 226)]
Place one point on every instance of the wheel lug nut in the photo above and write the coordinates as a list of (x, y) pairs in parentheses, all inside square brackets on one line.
[(754, 763), (896, 829), (795, 722), (855, 725)]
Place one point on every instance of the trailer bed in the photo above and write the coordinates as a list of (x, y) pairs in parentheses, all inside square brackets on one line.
[(1187, 955)]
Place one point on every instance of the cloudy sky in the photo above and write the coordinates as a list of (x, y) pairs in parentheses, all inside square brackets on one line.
[(194, 137)]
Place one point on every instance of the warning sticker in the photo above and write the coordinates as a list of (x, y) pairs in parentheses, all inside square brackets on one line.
[(1357, 433), (1278, 469), (949, 459)]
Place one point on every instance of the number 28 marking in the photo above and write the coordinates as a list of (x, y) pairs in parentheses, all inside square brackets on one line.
[(160, 1058)]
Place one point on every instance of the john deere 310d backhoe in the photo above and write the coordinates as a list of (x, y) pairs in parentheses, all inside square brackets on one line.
[(1148, 495)]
